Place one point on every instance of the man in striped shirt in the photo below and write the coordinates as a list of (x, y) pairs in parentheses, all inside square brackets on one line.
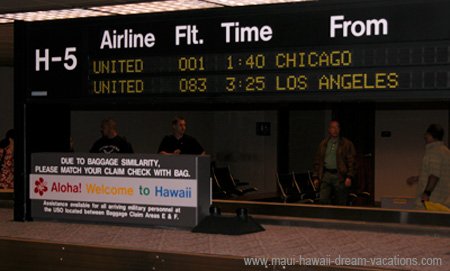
[(434, 179)]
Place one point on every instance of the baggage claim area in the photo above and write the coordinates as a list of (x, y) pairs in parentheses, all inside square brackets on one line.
[(296, 135)]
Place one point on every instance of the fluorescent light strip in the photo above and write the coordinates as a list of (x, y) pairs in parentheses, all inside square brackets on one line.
[(5, 21), (53, 14), (158, 6), (39, 93), (135, 8), (234, 3)]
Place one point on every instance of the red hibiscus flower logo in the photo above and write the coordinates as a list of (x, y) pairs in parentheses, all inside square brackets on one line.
[(40, 186)]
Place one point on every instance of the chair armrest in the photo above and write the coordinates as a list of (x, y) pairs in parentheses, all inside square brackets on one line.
[(352, 195), (364, 194), (239, 182), (246, 190)]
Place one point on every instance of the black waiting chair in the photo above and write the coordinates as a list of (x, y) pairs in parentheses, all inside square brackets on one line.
[(306, 185), (356, 198), (289, 190), (230, 185), (217, 191)]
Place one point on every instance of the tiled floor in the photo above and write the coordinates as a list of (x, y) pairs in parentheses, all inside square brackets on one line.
[(276, 241)]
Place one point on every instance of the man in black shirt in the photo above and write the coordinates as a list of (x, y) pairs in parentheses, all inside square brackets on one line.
[(111, 142), (179, 142)]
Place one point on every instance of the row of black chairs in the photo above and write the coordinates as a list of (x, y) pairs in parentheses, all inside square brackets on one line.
[(225, 186), (296, 187), (293, 187), (299, 187)]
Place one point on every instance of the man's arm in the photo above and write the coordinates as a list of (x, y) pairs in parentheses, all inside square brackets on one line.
[(129, 148), (429, 188), (351, 164), (164, 148), (412, 180), (198, 148), (94, 148), (170, 153), (316, 167), (351, 161), (434, 165)]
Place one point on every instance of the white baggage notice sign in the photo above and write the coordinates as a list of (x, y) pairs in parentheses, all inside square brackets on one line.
[(136, 189)]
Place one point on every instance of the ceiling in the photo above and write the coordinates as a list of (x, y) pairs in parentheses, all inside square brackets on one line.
[(8, 6), (11, 6)]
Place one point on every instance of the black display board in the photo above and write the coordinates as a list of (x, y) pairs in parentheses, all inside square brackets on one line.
[(294, 51)]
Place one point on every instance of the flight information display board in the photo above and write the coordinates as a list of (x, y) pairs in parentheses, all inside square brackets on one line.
[(268, 51)]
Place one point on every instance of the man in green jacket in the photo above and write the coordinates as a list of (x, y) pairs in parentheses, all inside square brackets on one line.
[(334, 166)]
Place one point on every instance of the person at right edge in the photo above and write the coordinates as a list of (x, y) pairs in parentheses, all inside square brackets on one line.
[(433, 183), (334, 167)]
